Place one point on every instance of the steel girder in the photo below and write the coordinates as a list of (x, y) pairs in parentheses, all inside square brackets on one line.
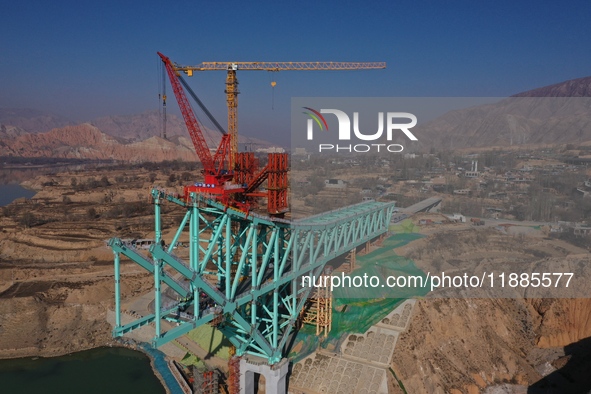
[(257, 263)]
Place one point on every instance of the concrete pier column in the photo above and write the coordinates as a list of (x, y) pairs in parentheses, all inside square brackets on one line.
[(275, 375)]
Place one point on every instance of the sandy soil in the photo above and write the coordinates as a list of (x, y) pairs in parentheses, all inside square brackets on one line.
[(466, 345), (56, 287), (56, 274)]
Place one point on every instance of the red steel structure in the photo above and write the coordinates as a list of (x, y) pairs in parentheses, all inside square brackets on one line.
[(213, 168), (245, 168), (277, 183), (244, 192)]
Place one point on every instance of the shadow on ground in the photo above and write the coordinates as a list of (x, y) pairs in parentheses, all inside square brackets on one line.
[(573, 374)]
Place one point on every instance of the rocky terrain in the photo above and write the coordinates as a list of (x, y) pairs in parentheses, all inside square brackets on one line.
[(56, 276), (126, 138), (56, 273), (466, 345), (88, 142), (56, 284), (480, 345)]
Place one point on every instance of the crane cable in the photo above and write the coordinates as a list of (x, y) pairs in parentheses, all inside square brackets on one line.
[(159, 82), (163, 101)]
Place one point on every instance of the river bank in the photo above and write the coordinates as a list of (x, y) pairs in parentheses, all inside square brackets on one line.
[(100, 370), (11, 192), (56, 272)]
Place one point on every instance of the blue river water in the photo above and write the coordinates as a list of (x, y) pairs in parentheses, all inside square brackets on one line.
[(95, 371), (10, 192)]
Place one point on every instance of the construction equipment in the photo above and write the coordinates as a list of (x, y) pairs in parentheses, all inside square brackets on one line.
[(258, 262), (214, 170), (227, 164), (218, 171), (232, 82)]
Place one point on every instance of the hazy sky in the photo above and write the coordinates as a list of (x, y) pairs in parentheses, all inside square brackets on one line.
[(83, 59)]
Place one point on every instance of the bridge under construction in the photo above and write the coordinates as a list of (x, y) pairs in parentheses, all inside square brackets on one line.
[(244, 267), (248, 267)]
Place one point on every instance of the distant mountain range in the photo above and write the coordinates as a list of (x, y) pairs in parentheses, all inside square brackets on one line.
[(555, 114), (580, 87), (139, 127), (31, 120), (134, 138), (88, 142), (135, 127)]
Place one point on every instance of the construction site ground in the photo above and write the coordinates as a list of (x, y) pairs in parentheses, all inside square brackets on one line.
[(359, 365), (56, 286), (356, 354)]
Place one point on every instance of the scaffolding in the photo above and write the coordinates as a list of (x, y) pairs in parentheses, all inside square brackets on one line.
[(319, 308), (277, 184), (206, 381), (351, 259), (233, 372)]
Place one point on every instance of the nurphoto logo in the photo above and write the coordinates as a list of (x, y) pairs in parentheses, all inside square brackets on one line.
[(344, 130)]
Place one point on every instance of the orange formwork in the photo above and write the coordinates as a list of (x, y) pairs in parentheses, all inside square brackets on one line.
[(233, 381), (246, 165), (277, 183)]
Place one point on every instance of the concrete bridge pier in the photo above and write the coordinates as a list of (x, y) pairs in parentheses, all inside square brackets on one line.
[(275, 375)]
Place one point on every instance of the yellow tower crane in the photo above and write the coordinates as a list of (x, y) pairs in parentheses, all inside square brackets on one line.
[(232, 82)]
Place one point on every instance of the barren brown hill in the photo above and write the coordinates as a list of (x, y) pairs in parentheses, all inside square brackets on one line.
[(10, 131), (139, 127), (88, 142), (580, 87), (472, 345), (556, 114), (126, 129)]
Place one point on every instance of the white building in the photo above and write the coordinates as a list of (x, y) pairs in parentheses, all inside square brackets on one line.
[(271, 149)]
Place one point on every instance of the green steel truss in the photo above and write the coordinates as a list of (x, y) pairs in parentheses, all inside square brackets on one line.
[(250, 266)]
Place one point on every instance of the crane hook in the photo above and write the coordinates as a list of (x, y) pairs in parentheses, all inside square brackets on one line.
[(273, 83)]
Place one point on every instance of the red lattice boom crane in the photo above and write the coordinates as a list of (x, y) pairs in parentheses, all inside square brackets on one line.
[(218, 174)]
